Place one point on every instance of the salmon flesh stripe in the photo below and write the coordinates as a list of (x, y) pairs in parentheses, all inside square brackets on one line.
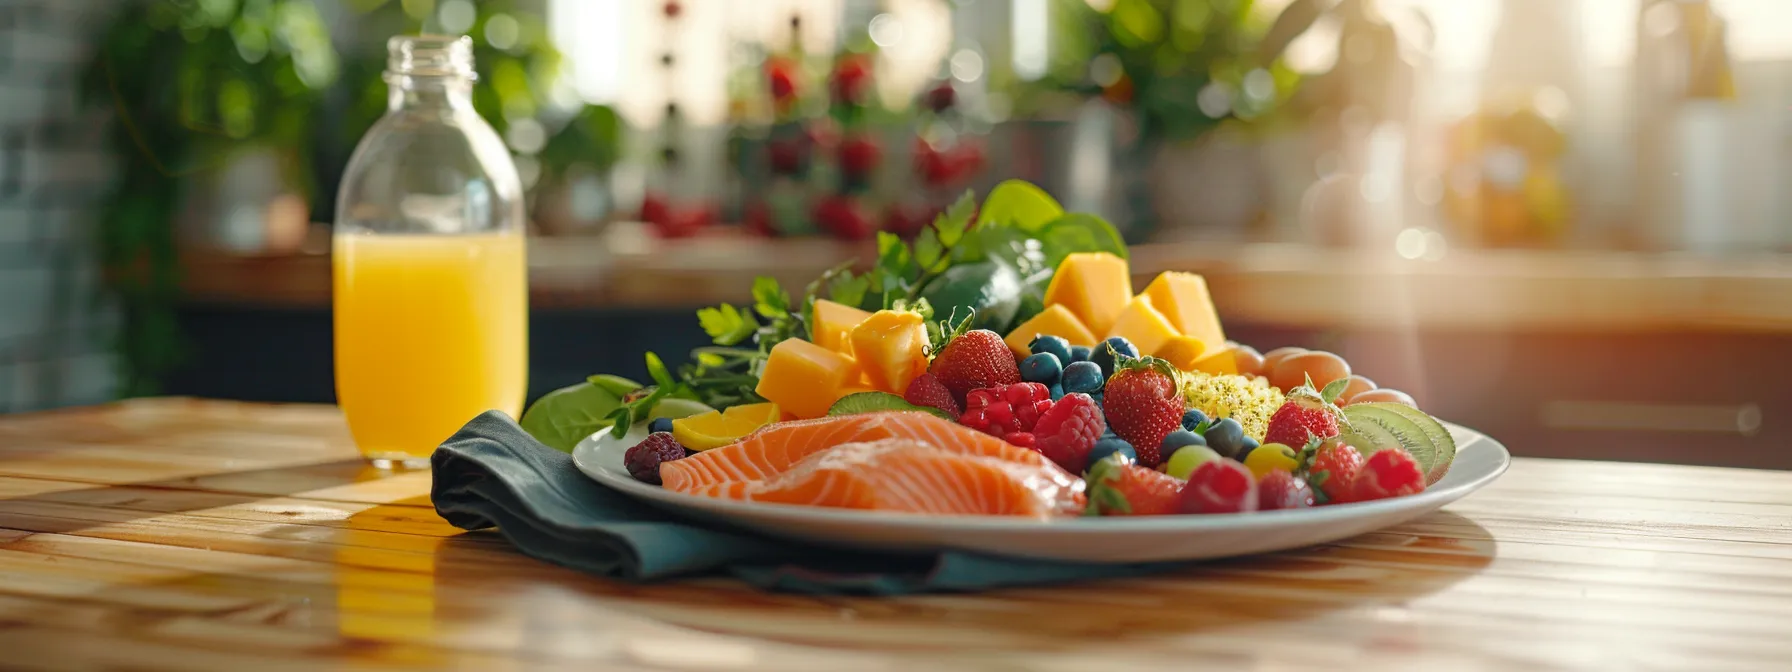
[(774, 449), (908, 475)]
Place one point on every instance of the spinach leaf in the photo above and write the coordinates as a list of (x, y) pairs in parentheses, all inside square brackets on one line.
[(1079, 232), (564, 417), (1019, 204)]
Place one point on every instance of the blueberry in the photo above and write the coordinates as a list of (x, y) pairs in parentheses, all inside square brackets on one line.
[(1057, 391), (1083, 377), (1107, 352), (1050, 344), (1193, 418), (1097, 398), (659, 425), (1079, 353), (1226, 437), (1250, 444), (1109, 433), (1041, 367), (1107, 447), (1178, 439)]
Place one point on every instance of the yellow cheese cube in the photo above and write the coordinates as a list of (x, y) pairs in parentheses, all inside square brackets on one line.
[(804, 379), (891, 348), (833, 321), (1095, 286), (1055, 320), (1181, 352), (1183, 298), (1140, 323), (1219, 361)]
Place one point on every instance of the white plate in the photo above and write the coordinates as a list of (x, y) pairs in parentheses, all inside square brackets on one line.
[(1479, 460)]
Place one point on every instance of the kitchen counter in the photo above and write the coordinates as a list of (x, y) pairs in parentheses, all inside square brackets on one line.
[(194, 535), (1274, 285)]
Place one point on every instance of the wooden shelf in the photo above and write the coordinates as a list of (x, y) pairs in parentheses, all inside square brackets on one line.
[(1264, 284)]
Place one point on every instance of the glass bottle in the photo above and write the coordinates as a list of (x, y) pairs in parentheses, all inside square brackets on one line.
[(431, 295)]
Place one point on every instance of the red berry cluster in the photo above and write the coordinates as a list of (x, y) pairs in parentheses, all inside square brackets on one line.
[(1001, 410)]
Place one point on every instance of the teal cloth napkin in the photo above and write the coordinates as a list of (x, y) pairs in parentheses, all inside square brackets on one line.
[(493, 474)]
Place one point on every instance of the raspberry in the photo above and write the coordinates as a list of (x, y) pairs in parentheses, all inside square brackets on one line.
[(1022, 439), (1219, 486), (1390, 472), (1334, 470), (1068, 431), (1010, 408), (1282, 490), (644, 459)]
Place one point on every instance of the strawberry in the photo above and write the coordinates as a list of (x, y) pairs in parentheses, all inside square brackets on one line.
[(976, 359), (1282, 490), (1390, 472), (927, 390), (1143, 403), (1307, 413), (1219, 486), (1117, 488), (1334, 470), (1068, 431)]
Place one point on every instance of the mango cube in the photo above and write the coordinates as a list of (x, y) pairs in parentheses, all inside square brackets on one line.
[(1183, 298), (1220, 361), (1055, 320), (1095, 286), (804, 379), (833, 321), (891, 348), (1141, 324), (1181, 352)]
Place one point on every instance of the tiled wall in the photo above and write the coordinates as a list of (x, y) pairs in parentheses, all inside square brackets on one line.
[(55, 331)]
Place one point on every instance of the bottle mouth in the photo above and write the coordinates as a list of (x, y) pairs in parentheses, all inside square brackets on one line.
[(430, 56)]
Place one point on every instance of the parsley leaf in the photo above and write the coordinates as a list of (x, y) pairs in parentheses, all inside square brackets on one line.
[(956, 219), (769, 299), (928, 250), (849, 290), (726, 325)]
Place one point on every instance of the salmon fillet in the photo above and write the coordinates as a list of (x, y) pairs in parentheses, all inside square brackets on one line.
[(774, 449), (900, 474)]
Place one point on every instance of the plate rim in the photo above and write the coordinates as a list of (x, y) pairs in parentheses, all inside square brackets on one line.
[(584, 456)]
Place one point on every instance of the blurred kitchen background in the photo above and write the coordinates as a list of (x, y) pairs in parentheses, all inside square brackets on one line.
[(1565, 222)]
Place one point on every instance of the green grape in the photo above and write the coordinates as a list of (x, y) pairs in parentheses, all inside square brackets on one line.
[(1184, 461)]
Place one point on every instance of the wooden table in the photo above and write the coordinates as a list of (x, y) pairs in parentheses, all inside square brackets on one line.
[(175, 534)]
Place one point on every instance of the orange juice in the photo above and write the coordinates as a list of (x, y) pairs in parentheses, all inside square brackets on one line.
[(431, 330)]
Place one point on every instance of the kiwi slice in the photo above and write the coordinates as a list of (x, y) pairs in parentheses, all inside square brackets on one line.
[(1383, 424), (1410, 433), (1368, 437), (1439, 464), (870, 402)]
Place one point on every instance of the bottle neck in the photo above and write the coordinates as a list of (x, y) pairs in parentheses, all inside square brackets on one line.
[(414, 92)]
